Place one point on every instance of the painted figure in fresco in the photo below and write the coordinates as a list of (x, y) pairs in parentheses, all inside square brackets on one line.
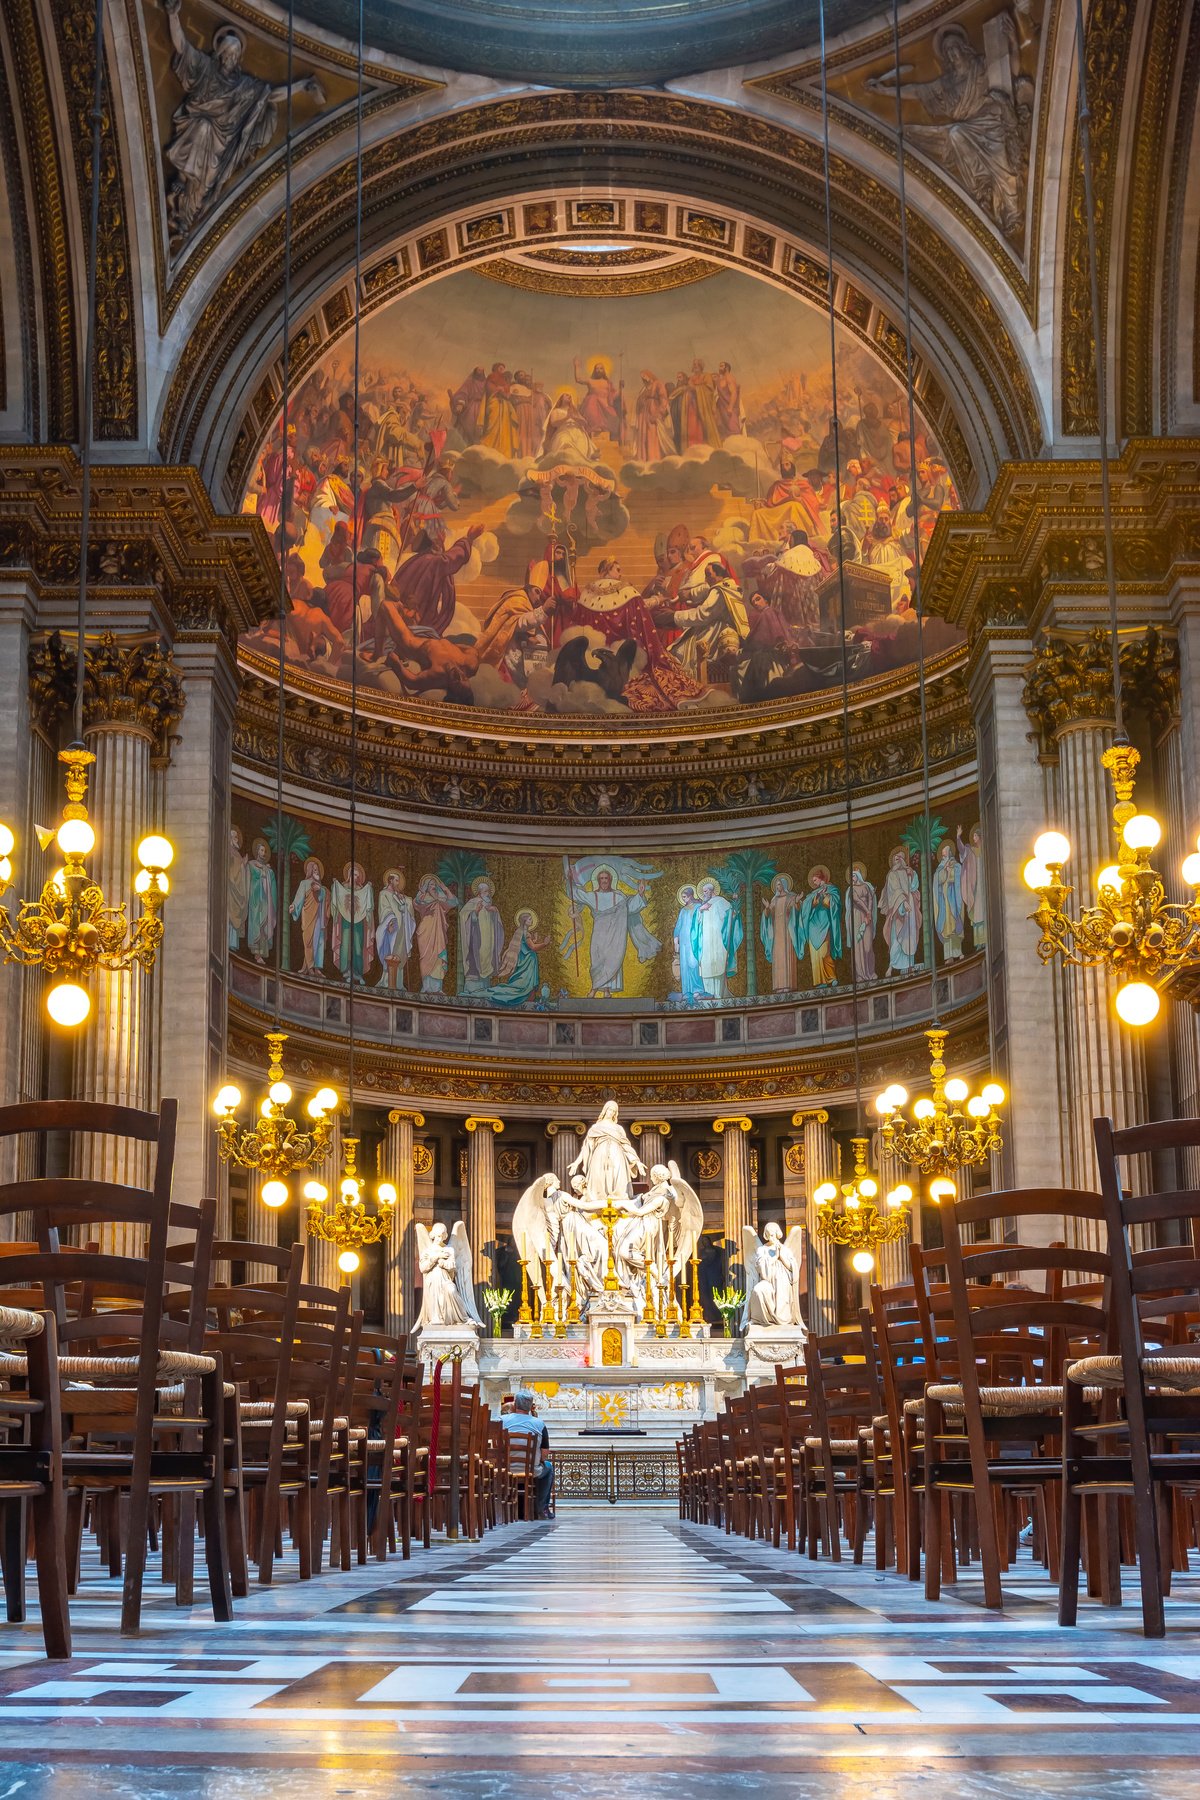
[(520, 973), (395, 931), (310, 908), (433, 903), (262, 911), (615, 921), (499, 428), (979, 134), (697, 418), (654, 432), (239, 889), (423, 584), (729, 402), (900, 904), (862, 920), (782, 934), (948, 915), (480, 938), (711, 620), (716, 938), (974, 892), (566, 434), (821, 922), (466, 404), (225, 119), (792, 504), (687, 966), (600, 408), (353, 909)]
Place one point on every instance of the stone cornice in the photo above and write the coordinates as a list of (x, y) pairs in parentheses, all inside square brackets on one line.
[(152, 529)]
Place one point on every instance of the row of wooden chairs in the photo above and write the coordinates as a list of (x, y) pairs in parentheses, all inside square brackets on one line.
[(1014, 1381), (141, 1395)]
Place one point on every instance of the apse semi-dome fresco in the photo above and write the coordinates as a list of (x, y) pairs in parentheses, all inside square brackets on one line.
[(621, 505)]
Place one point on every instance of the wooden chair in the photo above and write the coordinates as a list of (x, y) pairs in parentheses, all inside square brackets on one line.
[(522, 1453), (841, 1380), (31, 1472), (1008, 1396), (1144, 1445), (129, 1352)]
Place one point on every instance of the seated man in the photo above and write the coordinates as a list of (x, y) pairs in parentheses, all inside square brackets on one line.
[(521, 1419)]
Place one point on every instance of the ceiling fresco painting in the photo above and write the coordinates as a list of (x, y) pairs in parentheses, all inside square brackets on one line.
[(622, 505)]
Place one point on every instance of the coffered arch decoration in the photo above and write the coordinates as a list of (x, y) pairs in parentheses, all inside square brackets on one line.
[(761, 178)]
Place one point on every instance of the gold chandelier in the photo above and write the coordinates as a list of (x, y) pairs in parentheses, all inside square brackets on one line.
[(275, 1145), (949, 1129), (70, 930), (859, 1225), (1151, 944), (349, 1226)]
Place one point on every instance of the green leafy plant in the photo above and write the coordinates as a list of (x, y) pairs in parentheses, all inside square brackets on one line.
[(497, 1302), (728, 1301)]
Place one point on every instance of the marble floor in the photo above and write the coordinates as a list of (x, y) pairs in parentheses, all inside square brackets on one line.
[(612, 1652)]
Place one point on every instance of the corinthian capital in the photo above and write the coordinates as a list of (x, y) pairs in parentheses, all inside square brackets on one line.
[(129, 683)]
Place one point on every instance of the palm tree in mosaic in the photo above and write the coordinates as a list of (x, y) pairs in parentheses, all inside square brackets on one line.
[(921, 839), (295, 848), (739, 875)]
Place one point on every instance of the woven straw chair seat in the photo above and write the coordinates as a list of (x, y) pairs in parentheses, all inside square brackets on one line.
[(1179, 1373), (253, 1412), (16, 1321), (122, 1369), (880, 1422), (915, 1408), (838, 1446), (173, 1395), (1004, 1402)]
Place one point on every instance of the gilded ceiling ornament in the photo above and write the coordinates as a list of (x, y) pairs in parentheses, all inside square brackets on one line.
[(601, 284)]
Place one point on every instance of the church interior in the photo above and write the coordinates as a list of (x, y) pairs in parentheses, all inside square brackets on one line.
[(600, 898)]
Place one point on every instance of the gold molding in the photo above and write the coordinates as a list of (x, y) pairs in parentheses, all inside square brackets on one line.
[(476, 1121), (735, 1123), (398, 1116), (640, 1125), (604, 284), (818, 1115)]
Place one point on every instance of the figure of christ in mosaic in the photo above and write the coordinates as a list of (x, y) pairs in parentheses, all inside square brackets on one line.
[(310, 910), (615, 907)]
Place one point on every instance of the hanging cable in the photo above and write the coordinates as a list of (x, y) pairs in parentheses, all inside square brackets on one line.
[(353, 895), (1101, 359), (837, 478), (914, 509), (281, 858), (89, 371)]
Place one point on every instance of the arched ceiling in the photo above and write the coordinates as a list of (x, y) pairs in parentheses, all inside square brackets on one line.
[(585, 43)]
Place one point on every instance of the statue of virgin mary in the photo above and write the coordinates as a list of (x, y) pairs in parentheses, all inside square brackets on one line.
[(608, 1162)]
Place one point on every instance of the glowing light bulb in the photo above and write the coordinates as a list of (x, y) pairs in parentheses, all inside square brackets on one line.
[(993, 1093), (900, 1195), (264, 1107), (280, 1092), (75, 837), (897, 1094), (274, 1193), (942, 1188), (1190, 869), (348, 1261), (8, 842), (325, 1098), (228, 1099), (924, 1109), (1137, 1003), (68, 1004), (978, 1107), (1110, 877), (1142, 832), (852, 1201), (387, 1193), (156, 852), (825, 1194), (316, 1190), (1035, 875), (349, 1188), (1052, 848), (5, 869), (883, 1106), (862, 1262), (957, 1090), (141, 882), (868, 1187)]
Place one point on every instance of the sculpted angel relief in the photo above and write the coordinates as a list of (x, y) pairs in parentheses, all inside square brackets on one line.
[(495, 517)]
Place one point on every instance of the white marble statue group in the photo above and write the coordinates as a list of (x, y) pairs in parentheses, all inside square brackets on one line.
[(559, 1230), (560, 1236)]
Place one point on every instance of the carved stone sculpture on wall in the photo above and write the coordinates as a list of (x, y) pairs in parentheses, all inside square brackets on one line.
[(225, 120)]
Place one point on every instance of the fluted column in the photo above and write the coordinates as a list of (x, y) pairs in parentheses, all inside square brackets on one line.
[(565, 1139), (18, 987), (482, 1133), (650, 1140), (1182, 817), (892, 1266), (735, 1132), (1107, 1061), (320, 1257), (820, 1164), (396, 1166)]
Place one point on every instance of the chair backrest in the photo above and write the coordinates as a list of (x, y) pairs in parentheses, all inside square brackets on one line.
[(900, 1347), (99, 1210), (254, 1325), (842, 1380), (1156, 1291), (1016, 1332)]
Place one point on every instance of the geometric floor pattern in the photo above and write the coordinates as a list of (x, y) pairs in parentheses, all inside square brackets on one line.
[(612, 1652)]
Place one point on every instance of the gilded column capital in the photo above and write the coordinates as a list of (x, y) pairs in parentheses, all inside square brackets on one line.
[(734, 1123), (478, 1119), (130, 684), (398, 1116), (1069, 683), (815, 1116), (1150, 676), (557, 1125), (640, 1125)]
